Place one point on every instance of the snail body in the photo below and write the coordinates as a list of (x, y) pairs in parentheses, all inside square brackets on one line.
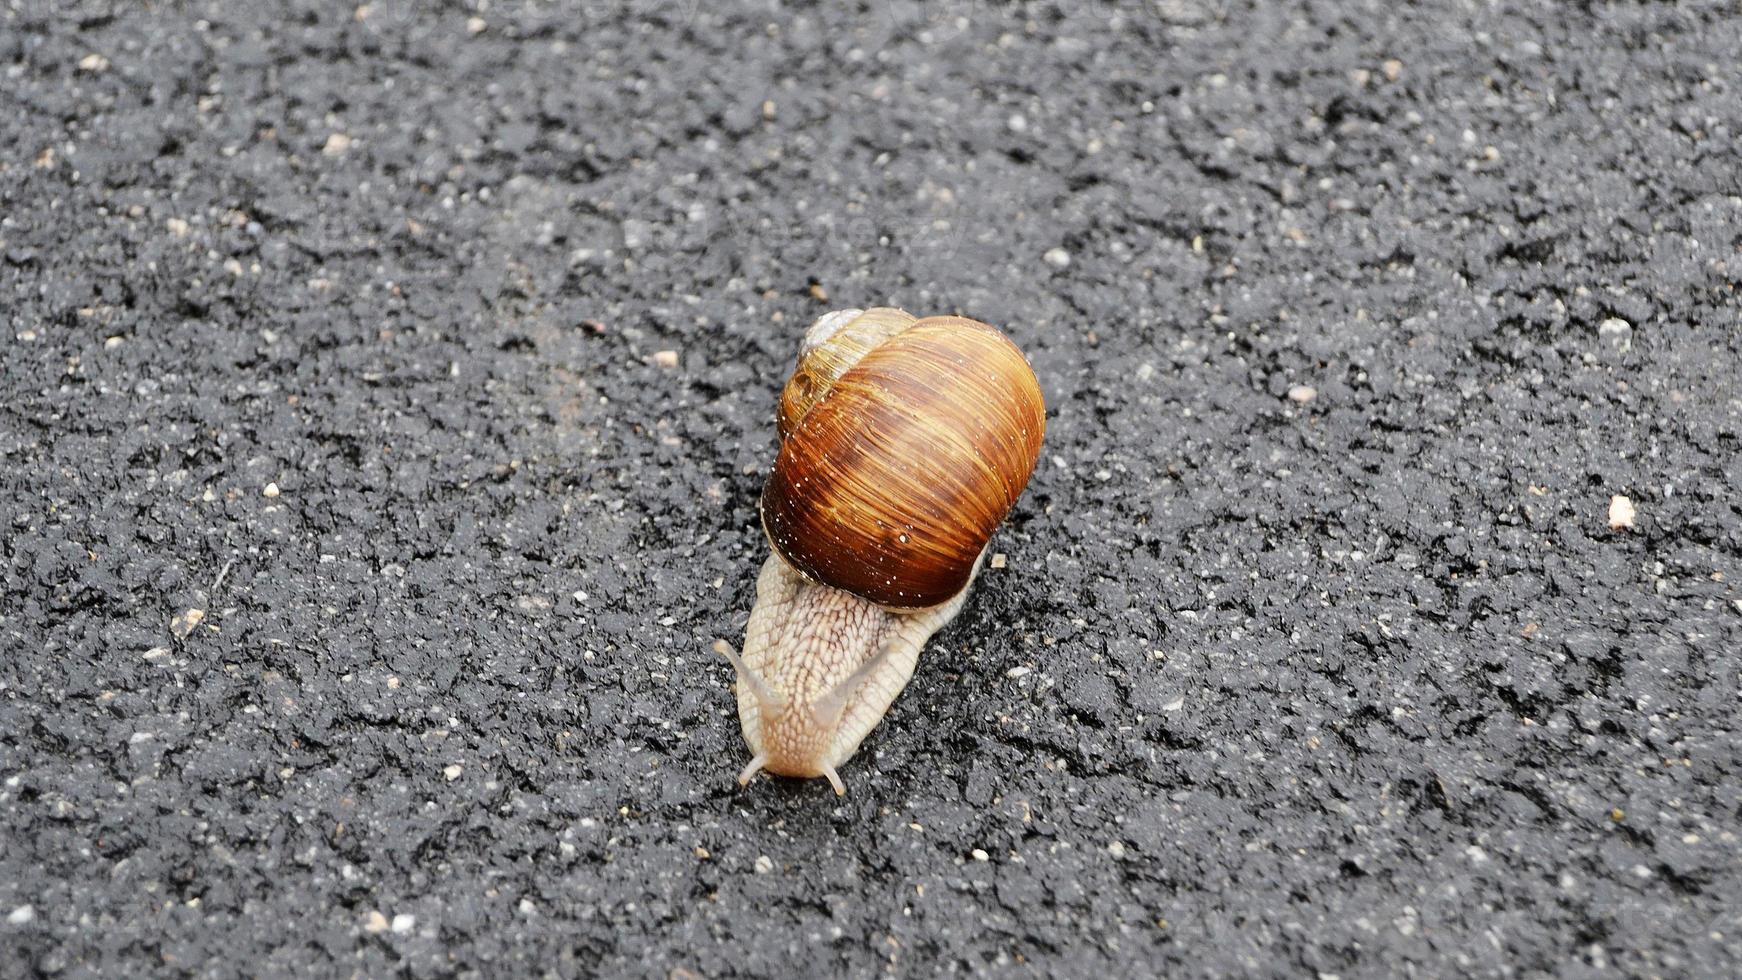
[(904, 443)]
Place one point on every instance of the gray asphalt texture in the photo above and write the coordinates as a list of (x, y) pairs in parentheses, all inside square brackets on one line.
[(340, 325)]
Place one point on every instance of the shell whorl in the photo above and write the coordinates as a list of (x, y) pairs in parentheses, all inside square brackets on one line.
[(904, 442)]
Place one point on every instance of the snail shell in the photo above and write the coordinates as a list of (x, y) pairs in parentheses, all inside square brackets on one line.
[(904, 443)]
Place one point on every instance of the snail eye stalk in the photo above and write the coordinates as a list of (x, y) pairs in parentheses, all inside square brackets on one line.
[(772, 701)]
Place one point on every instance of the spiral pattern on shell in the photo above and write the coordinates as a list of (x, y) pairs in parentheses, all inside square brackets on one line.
[(902, 449)]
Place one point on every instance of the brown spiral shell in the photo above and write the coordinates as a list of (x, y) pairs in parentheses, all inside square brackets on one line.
[(902, 448)]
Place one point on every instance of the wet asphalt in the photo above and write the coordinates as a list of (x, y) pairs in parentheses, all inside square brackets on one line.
[(386, 391)]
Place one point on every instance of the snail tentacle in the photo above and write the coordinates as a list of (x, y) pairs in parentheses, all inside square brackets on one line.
[(749, 772), (826, 712), (773, 702)]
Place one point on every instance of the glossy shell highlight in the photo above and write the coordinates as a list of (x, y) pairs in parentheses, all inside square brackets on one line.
[(891, 482)]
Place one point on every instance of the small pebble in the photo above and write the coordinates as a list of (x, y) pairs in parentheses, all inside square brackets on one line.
[(998, 560), (1621, 513), (374, 922), (177, 227), (21, 915), (185, 622), (93, 62), (1017, 124), (818, 293), (1301, 394), (270, 491), (1058, 258), (1392, 69), (404, 922), (475, 25), (769, 110), (1618, 333), (764, 865), (665, 358), (452, 772), (336, 145), (980, 855)]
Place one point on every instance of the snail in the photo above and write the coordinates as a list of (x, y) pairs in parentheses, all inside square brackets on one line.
[(904, 442)]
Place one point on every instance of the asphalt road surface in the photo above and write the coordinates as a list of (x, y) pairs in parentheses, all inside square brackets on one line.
[(387, 391)]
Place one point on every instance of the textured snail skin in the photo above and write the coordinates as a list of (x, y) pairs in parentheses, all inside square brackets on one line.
[(903, 444), (820, 667)]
